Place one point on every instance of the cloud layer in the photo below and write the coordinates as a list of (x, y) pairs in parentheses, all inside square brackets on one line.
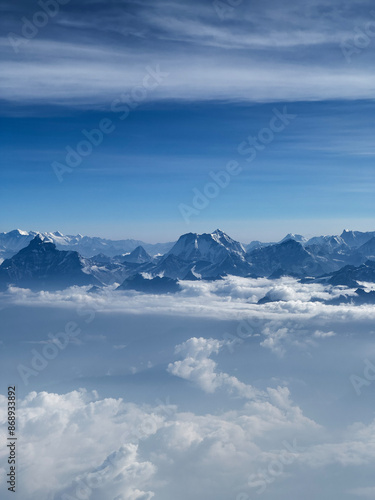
[(78, 445), (261, 398), (91, 57)]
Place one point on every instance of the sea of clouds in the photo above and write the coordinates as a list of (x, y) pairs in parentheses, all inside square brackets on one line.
[(201, 394)]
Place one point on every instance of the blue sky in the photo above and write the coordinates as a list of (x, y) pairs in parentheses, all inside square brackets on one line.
[(225, 78)]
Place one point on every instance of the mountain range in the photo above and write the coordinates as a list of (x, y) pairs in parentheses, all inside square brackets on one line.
[(52, 260), (87, 246)]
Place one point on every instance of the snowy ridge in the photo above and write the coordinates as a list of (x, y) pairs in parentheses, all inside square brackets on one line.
[(13, 241), (51, 257), (213, 247)]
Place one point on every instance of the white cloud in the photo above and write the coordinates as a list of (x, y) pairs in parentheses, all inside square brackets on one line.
[(75, 439), (319, 334), (225, 298), (297, 319), (120, 474), (206, 58), (86, 82), (116, 449), (199, 368), (78, 444), (357, 448)]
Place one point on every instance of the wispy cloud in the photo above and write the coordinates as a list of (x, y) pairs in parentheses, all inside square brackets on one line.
[(262, 53)]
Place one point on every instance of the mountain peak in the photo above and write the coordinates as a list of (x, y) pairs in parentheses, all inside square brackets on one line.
[(356, 238), (138, 256), (41, 266), (214, 247), (37, 241), (17, 232), (296, 237)]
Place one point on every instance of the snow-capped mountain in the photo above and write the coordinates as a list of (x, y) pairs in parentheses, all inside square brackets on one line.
[(288, 257), (355, 239), (295, 237), (138, 256), (170, 266), (13, 241), (213, 248), (257, 244), (327, 253), (87, 246), (350, 276), (41, 266), (327, 244), (207, 255), (333, 252)]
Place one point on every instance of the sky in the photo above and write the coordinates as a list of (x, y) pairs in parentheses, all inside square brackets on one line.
[(179, 89)]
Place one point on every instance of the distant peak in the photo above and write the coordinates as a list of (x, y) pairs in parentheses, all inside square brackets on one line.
[(37, 241), (218, 232), (291, 242), (295, 237), (19, 231)]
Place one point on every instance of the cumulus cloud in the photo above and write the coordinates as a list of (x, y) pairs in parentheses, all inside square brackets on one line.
[(108, 448), (95, 447), (356, 449), (119, 475), (198, 367), (76, 442)]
